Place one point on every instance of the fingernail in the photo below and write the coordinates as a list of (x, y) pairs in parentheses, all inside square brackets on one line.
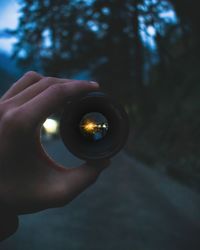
[(95, 83)]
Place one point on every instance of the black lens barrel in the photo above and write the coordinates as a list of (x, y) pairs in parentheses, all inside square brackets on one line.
[(105, 119)]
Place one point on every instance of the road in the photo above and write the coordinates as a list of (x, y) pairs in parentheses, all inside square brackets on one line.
[(130, 207)]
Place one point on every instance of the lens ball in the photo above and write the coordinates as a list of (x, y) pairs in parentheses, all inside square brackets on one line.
[(94, 126)]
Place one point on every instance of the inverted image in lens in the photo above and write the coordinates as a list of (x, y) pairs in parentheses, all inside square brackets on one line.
[(94, 126)]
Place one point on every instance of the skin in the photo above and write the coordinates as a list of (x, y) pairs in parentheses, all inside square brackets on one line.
[(30, 180)]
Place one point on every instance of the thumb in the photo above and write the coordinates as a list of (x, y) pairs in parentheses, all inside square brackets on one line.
[(75, 180)]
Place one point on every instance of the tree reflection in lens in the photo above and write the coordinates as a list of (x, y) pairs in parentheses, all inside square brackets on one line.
[(94, 126)]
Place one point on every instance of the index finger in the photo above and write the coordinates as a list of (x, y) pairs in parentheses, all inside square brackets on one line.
[(51, 99)]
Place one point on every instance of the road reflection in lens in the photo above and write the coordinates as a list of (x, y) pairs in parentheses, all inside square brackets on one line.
[(94, 126)]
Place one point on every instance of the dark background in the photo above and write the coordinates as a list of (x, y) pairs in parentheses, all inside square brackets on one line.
[(146, 53)]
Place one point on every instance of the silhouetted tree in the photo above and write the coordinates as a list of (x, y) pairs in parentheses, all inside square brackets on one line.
[(65, 36), (188, 13)]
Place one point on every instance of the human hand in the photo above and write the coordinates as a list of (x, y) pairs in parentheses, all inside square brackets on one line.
[(30, 180)]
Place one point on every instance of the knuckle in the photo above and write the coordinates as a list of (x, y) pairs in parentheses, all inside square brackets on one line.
[(8, 118), (12, 119), (32, 74), (5, 107), (57, 89), (49, 79)]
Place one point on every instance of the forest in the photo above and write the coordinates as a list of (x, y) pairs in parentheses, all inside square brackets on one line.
[(146, 53)]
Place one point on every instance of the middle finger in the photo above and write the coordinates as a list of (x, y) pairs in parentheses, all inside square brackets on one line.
[(33, 90)]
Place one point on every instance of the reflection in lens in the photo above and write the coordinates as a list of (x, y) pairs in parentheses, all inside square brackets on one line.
[(94, 126)]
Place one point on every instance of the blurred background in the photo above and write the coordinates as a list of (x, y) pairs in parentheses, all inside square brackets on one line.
[(146, 53)]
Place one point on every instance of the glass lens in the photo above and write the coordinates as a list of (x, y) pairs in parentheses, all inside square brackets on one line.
[(94, 126)]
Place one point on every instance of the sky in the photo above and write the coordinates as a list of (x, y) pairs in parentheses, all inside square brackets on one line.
[(9, 19)]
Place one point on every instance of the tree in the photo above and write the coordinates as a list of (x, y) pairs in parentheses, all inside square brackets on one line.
[(66, 36), (189, 15)]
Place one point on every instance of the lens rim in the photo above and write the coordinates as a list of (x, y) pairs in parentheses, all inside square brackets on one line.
[(117, 119)]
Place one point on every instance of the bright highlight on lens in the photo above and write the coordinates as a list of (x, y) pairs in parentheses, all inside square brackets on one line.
[(94, 126), (50, 126)]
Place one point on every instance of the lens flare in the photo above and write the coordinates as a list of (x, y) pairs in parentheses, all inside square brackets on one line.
[(94, 126), (89, 126)]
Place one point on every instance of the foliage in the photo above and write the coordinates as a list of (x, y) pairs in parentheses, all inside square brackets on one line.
[(145, 52), (106, 37)]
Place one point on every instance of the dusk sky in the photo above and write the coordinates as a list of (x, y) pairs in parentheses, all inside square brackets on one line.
[(9, 17)]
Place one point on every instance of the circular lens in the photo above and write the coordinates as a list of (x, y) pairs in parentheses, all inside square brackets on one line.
[(94, 126)]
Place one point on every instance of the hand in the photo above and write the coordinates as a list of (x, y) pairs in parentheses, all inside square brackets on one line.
[(30, 180)]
